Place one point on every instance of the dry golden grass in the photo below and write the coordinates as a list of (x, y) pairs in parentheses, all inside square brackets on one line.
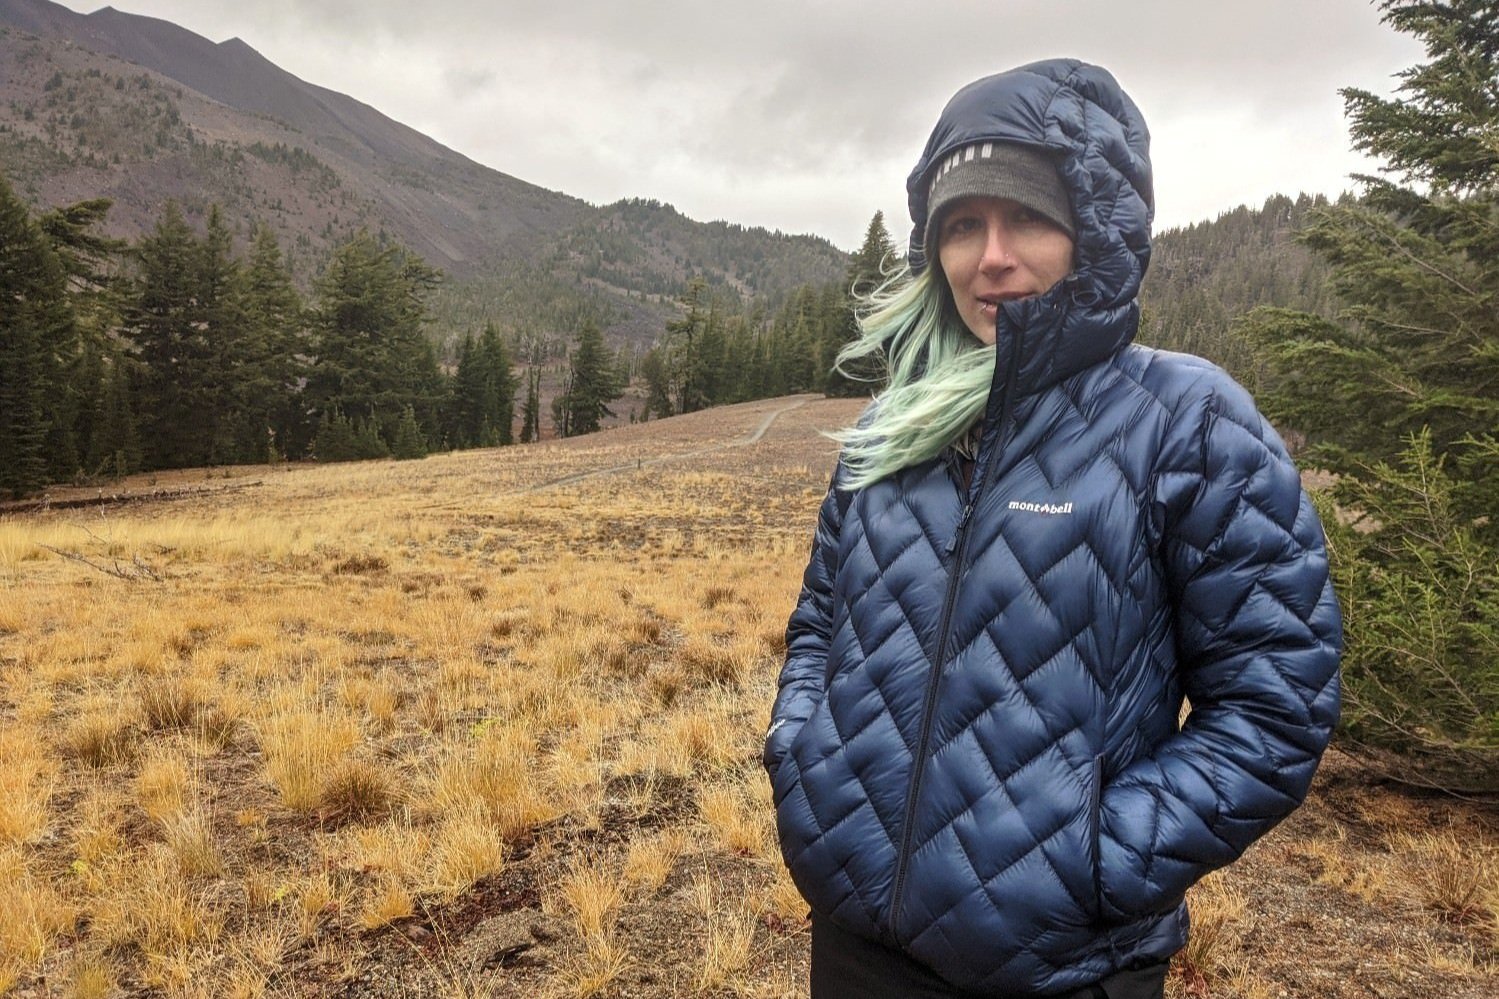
[(737, 817), (26, 781), (1214, 952), (650, 859), (389, 902), (602, 960), (1444, 874), (418, 685), (728, 945), (467, 847), (305, 751), (590, 894)]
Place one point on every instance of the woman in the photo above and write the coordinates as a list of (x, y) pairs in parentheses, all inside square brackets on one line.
[(1037, 541)]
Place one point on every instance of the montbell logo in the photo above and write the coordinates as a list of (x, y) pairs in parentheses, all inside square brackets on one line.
[(1046, 508)]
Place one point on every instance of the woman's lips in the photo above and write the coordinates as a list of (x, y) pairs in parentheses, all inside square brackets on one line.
[(989, 304)]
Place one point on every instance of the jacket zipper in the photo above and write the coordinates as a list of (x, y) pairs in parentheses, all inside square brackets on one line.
[(954, 573)]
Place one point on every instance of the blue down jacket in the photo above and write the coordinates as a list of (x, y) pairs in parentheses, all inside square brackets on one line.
[(975, 752)]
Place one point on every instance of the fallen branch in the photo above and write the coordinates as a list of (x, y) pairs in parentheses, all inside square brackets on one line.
[(137, 569)]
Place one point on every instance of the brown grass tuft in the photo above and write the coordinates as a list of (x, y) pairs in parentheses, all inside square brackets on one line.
[(358, 788), (26, 781), (495, 774), (728, 946), (1213, 950), (190, 838), (390, 901), (591, 894), (101, 736), (1450, 876), (467, 847), (650, 859), (736, 823), (171, 701), (302, 750), (35, 913)]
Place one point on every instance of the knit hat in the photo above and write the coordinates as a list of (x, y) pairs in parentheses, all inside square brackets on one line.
[(1000, 170)]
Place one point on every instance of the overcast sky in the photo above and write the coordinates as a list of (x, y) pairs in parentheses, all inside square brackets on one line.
[(806, 116)]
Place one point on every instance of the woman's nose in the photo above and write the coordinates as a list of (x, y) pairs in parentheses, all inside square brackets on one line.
[(997, 249)]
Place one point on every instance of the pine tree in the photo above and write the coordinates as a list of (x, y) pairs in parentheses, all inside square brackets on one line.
[(1416, 259), (497, 396), (115, 446), (335, 439), (31, 308), (681, 348), (371, 355), (227, 399), (165, 325), (1401, 395), (866, 272), (530, 423), (409, 442), (710, 374), (467, 392), (73, 359), (592, 384), (272, 422)]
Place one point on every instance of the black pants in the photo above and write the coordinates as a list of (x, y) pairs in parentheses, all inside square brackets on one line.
[(848, 967)]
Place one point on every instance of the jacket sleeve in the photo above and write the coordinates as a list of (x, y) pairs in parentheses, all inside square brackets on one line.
[(808, 634), (1258, 640)]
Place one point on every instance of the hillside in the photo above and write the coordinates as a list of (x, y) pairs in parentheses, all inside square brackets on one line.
[(1203, 276), (489, 725), (141, 111)]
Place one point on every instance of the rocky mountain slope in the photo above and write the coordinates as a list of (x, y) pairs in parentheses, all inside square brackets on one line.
[(141, 110)]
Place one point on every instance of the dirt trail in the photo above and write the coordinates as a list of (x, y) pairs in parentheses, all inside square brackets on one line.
[(751, 438)]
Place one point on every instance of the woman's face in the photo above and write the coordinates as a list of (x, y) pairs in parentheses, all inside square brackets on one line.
[(993, 250)]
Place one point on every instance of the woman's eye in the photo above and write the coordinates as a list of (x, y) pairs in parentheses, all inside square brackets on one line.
[(961, 224)]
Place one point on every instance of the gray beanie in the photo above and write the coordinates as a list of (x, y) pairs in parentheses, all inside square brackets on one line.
[(999, 170)]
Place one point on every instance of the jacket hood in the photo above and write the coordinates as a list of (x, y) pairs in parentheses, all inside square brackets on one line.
[(1078, 114)]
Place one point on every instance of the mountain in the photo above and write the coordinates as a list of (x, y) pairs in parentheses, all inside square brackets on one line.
[(1204, 276), (141, 110)]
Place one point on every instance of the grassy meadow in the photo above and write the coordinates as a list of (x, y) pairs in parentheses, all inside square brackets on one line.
[(488, 724)]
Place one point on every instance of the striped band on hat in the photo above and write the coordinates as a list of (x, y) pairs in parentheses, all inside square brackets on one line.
[(1023, 174)]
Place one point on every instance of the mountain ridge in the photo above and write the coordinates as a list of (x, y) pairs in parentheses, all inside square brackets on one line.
[(142, 110)]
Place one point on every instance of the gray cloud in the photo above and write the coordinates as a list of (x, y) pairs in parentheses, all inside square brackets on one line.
[(806, 116)]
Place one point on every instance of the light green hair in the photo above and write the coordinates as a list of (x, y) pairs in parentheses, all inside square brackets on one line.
[(938, 376)]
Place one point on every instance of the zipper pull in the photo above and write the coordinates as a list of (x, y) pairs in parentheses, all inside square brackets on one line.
[(952, 543)]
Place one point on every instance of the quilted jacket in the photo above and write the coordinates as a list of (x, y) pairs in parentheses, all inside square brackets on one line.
[(975, 752)]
